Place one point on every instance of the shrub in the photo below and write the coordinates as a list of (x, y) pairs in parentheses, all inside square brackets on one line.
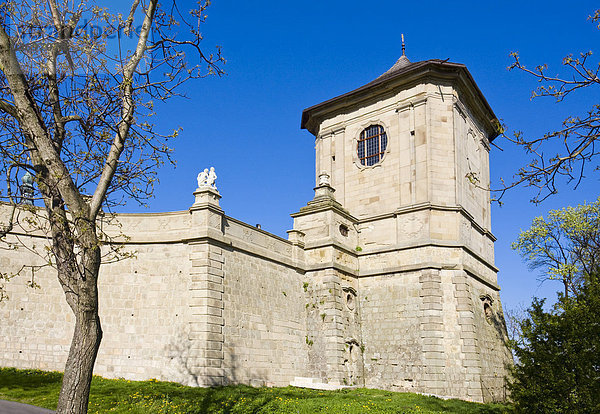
[(558, 368)]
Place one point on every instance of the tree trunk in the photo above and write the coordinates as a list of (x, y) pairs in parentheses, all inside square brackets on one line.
[(75, 391)]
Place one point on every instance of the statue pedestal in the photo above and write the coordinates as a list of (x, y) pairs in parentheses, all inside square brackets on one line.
[(206, 197), (324, 191)]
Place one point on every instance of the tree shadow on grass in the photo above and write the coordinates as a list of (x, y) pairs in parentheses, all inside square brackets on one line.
[(228, 399), (28, 379)]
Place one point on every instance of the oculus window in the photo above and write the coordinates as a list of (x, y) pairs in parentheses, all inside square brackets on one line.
[(371, 145)]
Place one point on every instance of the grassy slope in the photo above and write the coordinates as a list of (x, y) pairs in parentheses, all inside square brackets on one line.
[(121, 396)]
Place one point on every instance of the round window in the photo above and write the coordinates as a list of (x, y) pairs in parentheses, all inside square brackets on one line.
[(371, 145)]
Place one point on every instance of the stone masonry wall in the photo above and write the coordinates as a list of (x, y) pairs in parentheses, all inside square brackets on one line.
[(391, 332), (206, 300), (28, 312), (143, 310), (265, 324), (426, 331)]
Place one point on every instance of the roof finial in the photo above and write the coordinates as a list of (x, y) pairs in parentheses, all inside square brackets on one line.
[(403, 47)]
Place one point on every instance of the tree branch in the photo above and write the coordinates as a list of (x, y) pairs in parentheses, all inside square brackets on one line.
[(8, 108), (33, 125), (129, 21), (127, 112)]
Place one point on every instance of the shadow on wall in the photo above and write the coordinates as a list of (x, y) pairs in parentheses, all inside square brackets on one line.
[(185, 358), (494, 387), (495, 319), (353, 363), (181, 361), (234, 374), (499, 325)]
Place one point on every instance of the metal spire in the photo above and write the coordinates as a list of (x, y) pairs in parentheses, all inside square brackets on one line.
[(403, 46)]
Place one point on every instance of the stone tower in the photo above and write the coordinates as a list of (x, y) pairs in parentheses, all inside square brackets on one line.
[(397, 241)]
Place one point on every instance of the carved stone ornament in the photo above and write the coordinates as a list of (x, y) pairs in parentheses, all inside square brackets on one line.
[(207, 178), (324, 179)]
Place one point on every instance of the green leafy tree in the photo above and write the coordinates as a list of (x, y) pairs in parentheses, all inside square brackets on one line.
[(568, 152), (558, 368), (565, 245), (558, 351), (78, 87)]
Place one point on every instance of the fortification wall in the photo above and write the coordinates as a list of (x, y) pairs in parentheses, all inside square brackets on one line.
[(143, 304), (265, 324), (144, 310), (229, 307), (209, 300), (36, 323), (264, 308)]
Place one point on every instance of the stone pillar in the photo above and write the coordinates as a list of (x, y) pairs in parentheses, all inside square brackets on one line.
[(432, 331), (206, 211), (327, 254), (296, 237), (468, 336), (334, 328), (206, 289)]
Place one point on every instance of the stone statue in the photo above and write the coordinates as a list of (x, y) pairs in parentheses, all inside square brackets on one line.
[(207, 178), (212, 177), (202, 177)]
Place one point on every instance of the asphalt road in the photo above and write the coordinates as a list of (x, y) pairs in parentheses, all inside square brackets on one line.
[(9, 407)]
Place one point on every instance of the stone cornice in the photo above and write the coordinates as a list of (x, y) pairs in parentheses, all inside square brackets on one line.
[(233, 243), (399, 269), (428, 243), (328, 242), (428, 265), (430, 206), (324, 202)]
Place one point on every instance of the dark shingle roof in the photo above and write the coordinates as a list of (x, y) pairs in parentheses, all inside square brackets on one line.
[(400, 63), (403, 69)]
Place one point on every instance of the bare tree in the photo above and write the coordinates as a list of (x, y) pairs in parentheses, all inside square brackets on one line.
[(570, 151), (78, 84), (514, 317)]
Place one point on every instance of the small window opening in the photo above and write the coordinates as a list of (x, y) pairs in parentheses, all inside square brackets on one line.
[(488, 312), (344, 230), (350, 301)]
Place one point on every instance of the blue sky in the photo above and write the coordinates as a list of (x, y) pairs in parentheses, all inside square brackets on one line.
[(285, 56)]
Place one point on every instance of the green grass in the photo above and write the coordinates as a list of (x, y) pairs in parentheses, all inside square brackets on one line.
[(121, 396)]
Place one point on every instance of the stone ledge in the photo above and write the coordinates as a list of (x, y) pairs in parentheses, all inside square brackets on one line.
[(317, 384)]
